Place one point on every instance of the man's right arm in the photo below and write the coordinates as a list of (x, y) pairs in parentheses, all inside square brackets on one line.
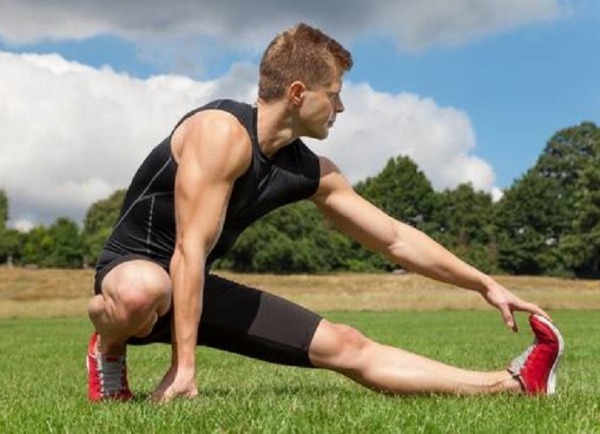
[(406, 245), (214, 151)]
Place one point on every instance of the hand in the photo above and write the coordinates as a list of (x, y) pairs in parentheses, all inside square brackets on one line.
[(507, 303), (177, 382)]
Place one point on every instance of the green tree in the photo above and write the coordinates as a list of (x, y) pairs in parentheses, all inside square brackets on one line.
[(99, 221), (404, 192), (580, 249), (10, 240), (10, 245), (3, 210), (537, 212), (292, 239), (401, 190), (58, 246), (38, 246), (465, 224), (69, 247)]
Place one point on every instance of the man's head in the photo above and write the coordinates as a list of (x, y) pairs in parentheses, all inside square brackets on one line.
[(301, 53)]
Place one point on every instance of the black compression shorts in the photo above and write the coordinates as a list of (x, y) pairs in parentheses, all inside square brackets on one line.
[(240, 319)]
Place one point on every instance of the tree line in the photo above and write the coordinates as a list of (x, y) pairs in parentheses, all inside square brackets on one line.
[(546, 223)]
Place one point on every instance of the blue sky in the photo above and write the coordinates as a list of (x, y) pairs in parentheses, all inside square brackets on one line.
[(501, 80)]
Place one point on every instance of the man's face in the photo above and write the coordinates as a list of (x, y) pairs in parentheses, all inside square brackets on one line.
[(320, 106)]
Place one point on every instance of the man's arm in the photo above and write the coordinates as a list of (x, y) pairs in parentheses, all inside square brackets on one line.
[(406, 245), (214, 151)]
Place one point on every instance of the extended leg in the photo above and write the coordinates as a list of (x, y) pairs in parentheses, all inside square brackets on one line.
[(380, 367)]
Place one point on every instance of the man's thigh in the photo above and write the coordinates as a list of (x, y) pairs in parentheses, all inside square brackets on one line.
[(250, 322)]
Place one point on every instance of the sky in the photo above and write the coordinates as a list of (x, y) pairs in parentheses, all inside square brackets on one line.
[(471, 90)]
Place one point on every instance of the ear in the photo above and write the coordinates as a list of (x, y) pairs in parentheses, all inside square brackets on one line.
[(296, 92)]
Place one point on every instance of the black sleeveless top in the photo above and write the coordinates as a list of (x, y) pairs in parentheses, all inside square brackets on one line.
[(146, 224)]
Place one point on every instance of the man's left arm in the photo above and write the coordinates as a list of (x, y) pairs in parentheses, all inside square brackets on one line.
[(405, 245)]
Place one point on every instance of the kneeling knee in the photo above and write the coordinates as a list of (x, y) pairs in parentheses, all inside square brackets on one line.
[(137, 300), (139, 290)]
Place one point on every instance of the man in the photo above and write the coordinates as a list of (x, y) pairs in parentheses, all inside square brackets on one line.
[(227, 164)]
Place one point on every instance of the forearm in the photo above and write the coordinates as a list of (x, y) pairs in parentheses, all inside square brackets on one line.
[(418, 252), (187, 272)]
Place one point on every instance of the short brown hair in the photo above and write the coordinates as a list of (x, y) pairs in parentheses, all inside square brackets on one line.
[(301, 53)]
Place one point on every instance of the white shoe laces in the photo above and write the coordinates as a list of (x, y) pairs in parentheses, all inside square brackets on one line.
[(519, 362), (111, 370)]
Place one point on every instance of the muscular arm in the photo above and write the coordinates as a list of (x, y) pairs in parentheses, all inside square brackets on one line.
[(213, 152), (404, 244)]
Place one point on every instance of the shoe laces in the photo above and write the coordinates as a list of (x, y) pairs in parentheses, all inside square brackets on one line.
[(519, 363), (112, 371)]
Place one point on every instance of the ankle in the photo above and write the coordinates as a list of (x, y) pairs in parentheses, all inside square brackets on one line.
[(511, 383), (503, 381), (106, 347)]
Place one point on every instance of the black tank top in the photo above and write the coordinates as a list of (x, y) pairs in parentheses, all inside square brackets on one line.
[(146, 224)]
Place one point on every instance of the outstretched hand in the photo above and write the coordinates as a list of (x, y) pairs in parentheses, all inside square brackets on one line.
[(176, 383), (508, 303)]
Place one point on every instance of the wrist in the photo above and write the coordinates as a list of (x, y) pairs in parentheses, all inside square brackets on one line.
[(185, 363), (485, 283)]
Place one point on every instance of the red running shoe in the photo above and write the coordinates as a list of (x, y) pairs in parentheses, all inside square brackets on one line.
[(536, 367), (107, 375)]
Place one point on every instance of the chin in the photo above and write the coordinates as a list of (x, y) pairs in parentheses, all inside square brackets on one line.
[(320, 135)]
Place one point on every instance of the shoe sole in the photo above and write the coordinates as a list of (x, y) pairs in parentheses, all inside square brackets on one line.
[(551, 384)]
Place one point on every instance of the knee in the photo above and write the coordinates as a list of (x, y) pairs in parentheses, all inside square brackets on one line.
[(96, 307), (337, 346), (138, 290), (141, 293)]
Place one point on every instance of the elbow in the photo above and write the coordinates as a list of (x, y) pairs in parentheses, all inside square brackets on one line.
[(397, 245)]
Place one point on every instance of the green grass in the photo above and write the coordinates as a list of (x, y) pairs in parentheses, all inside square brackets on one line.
[(43, 383)]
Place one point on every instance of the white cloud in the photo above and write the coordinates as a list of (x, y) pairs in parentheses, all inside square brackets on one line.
[(413, 24), (71, 134)]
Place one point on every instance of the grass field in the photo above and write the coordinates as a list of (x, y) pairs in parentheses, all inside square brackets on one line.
[(42, 385), (43, 381)]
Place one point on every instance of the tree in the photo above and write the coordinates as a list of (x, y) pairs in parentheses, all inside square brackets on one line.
[(405, 193), (37, 246), (465, 224), (538, 211), (69, 247), (581, 248), (3, 210), (10, 245), (292, 239), (99, 222), (401, 190), (10, 239), (58, 246)]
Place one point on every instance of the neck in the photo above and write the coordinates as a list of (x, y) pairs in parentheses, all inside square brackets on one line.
[(274, 126)]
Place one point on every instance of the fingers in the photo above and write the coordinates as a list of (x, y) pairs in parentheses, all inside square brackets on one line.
[(509, 318), (175, 385), (538, 310), (525, 306), (164, 396)]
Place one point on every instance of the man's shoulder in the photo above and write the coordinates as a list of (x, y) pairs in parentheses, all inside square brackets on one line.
[(240, 111)]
